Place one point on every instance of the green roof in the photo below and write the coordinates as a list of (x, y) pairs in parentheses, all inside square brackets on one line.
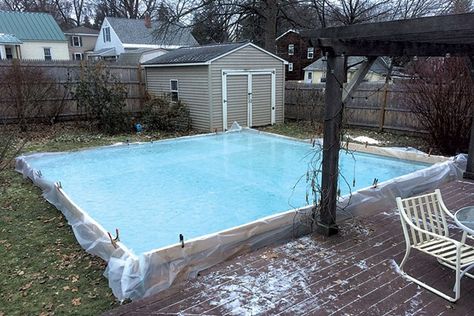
[(9, 39), (28, 26)]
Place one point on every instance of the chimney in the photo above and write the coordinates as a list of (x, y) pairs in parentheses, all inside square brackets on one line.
[(147, 21)]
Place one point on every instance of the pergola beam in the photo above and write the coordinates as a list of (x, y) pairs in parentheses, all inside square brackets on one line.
[(390, 48), (425, 29), (350, 88)]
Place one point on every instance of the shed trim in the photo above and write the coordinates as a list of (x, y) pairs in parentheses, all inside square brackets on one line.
[(176, 65), (246, 45), (219, 57)]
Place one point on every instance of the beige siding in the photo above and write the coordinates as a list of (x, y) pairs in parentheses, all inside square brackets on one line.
[(261, 100), (193, 89), (246, 58), (237, 104)]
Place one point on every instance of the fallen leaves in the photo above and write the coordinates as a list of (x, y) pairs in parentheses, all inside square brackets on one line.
[(76, 301)]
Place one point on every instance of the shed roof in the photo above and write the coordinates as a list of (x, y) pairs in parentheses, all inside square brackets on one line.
[(131, 31), (201, 54), (28, 26)]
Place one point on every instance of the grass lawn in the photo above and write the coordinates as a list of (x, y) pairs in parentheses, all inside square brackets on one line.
[(43, 270)]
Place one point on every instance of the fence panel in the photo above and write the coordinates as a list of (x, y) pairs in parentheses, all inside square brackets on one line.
[(68, 73), (373, 104)]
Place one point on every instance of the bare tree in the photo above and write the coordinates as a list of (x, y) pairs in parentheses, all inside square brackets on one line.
[(440, 94), (408, 9)]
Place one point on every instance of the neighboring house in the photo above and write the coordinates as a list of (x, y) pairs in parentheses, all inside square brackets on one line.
[(26, 35), (119, 35), (140, 55), (81, 41), (222, 83), (298, 51), (316, 72)]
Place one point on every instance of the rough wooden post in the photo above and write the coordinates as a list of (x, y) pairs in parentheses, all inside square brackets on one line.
[(331, 144), (469, 174)]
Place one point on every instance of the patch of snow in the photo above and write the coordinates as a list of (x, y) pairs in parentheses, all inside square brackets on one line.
[(365, 139), (255, 293), (395, 266), (415, 304), (362, 264)]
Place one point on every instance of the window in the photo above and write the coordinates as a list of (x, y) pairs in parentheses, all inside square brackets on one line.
[(106, 34), (291, 49), (174, 90), (310, 52), (47, 53), (310, 75), (290, 67), (8, 53), (76, 41), (77, 56), (323, 77)]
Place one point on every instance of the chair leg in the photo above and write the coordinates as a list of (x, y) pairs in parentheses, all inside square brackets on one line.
[(457, 286), (405, 258)]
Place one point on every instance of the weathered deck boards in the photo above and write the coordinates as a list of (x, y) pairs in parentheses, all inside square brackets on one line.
[(354, 273)]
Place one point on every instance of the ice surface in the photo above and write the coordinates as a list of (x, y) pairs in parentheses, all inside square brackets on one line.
[(195, 186)]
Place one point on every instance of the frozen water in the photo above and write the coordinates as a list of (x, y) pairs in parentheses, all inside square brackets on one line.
[(195, 186)]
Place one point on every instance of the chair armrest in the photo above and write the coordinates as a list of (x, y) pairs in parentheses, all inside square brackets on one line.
[(426, 232)]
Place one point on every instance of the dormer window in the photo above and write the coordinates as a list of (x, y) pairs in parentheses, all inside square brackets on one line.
[(106, 34), (291, 49)]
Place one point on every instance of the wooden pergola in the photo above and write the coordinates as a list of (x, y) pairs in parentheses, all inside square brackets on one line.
[(450, 35)]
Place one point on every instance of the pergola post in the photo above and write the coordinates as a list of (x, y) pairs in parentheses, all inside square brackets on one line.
[(469, 174), (331, 144)]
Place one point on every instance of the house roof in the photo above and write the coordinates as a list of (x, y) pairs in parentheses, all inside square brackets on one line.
[(9, 39), (289, 31), (202, 54), (110, 51), (82, 30), (28, 26), (132, 31), (380, 66)]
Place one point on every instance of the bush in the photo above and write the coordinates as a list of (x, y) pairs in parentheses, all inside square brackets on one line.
[(440, 94), (162, 114), (28, 92), (101, 97)]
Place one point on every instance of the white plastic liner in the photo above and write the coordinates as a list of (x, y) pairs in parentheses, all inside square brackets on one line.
[(136, 277)]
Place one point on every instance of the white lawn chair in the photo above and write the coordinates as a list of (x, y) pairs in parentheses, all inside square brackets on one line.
[(425, 229)]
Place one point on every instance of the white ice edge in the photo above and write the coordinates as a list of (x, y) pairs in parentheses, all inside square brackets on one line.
[(132, 276)]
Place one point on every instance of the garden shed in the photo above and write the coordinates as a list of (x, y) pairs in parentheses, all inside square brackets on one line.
[(221, 84)]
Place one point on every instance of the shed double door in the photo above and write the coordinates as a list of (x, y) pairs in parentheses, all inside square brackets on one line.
[(248, 98)]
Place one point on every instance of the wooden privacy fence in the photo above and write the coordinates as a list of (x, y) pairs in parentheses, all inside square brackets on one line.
[(65, 75), (374, 104)]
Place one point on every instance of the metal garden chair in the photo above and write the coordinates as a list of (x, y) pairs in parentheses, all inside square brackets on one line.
[(425, 229)]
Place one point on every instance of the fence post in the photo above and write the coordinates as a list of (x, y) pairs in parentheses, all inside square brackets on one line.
[(384, 105)]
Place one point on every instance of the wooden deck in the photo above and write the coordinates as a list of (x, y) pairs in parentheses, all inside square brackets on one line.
[(354, 273)]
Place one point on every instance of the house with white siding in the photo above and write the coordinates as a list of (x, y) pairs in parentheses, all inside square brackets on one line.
[(316, 72), (28, 35), (222, 84), (121, 35)]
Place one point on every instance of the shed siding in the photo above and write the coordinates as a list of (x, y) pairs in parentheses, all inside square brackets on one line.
[(192, 86), (237, 104), (261, 100), (246, 58)]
